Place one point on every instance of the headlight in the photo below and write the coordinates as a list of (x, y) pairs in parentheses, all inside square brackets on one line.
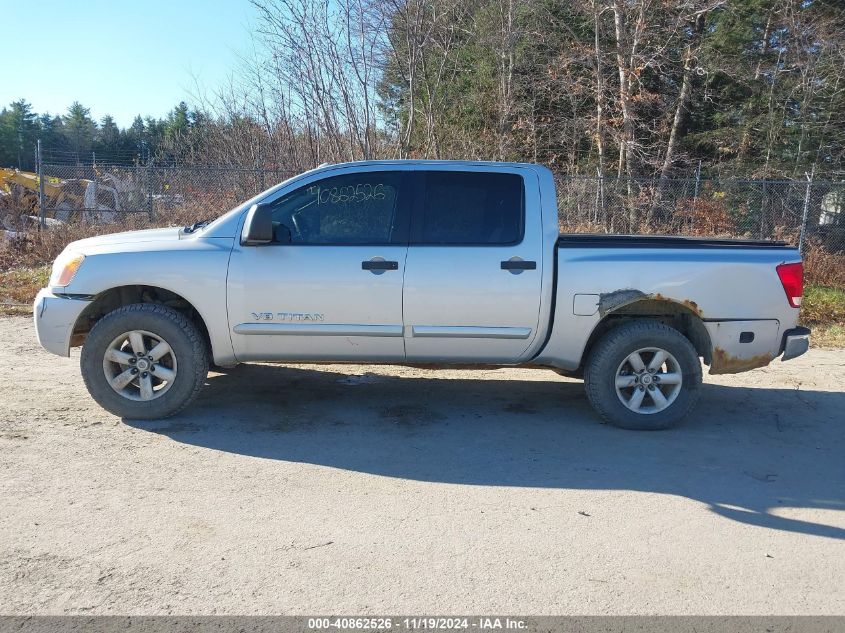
[(65, 267)]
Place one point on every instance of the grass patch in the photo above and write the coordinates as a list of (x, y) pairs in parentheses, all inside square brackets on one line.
[(19, 286), (823, 305), (823, 310), (828, 336)]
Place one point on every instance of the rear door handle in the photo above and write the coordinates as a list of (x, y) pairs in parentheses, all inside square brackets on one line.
[(379, 264), (518, 264)]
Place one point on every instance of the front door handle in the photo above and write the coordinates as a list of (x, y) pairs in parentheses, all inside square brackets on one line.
[(379, 265), (518, 264)]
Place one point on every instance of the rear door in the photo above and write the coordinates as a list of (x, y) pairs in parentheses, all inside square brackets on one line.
[(473, 273), (329, 287)]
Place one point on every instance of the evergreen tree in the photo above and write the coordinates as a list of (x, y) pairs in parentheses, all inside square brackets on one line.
[(18, 135), (178, 122), (79, 129), (108, 140)]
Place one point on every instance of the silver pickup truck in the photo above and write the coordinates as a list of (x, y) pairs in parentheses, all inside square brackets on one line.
[(419, 262)]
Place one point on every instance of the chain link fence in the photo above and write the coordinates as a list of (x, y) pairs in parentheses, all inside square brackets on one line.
[(792, 210), (107, 193)]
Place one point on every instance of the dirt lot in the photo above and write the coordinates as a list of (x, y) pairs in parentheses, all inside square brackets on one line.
[(350, 489)]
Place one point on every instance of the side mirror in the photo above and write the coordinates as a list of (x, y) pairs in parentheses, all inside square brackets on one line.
[(258, 227)]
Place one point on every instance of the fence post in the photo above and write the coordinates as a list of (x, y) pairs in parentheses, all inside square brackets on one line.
[(697, 184), (39, 167), (694, 210), (151, 209), (95, 214), (599, 196), (806, 209)]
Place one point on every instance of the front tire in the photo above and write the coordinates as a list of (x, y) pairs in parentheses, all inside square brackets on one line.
[(144, 361), (643, 376)]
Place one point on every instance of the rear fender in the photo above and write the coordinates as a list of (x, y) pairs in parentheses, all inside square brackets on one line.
[(739, 346)]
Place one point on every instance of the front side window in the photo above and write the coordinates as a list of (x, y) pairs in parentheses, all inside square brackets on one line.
[(359, 208), (471, 208)]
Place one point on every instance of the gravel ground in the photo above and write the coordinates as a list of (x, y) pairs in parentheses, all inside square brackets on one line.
[(352, 489)]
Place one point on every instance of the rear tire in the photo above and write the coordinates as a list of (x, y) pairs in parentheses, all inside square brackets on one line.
[(643, 376), (144, 361)]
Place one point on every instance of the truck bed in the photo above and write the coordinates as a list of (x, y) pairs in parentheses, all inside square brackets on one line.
[(597, 240)]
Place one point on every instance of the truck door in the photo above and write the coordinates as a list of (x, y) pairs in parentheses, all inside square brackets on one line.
[(474, 268), (329, 287)]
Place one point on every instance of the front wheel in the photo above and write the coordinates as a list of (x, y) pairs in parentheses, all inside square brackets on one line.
[(144, 361), (643, 375)]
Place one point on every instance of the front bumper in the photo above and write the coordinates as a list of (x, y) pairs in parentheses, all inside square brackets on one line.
[(55, 317), (795, 342)]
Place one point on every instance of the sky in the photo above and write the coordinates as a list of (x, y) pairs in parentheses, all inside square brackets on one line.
[(122, 57)]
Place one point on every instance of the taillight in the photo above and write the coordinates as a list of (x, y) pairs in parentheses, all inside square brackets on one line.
[(792, 279)]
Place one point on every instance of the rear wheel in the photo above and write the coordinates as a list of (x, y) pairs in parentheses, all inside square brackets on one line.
[(144, 361), (644, 375)]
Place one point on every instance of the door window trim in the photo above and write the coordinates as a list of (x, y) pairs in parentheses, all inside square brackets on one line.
[(420, 189), (403, 203)]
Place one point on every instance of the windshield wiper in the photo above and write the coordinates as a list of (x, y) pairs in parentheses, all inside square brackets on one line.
[(196, 226)]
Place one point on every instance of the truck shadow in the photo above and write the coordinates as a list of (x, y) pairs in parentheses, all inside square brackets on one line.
[(750, 454)]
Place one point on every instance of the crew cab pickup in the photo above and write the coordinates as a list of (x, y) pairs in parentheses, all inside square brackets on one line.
[(419, 262)]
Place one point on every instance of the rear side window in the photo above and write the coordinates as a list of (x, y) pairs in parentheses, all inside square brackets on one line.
[(357, 208), (471, 208)]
